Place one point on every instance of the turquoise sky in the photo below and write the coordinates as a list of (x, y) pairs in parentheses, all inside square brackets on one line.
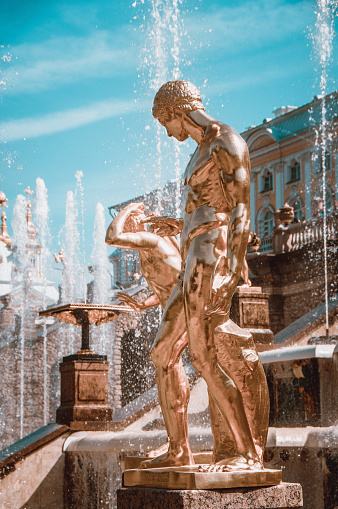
[(78, 78)]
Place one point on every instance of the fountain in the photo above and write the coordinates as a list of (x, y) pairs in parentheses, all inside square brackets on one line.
[(322, 44), (73, 275), (102, 283), (41, 213), (88, 455), (161, 59), (21, 241), (85, 406)]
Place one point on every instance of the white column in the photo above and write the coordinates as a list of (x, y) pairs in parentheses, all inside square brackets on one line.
[(253, 201), (279, 179), (307, 167)]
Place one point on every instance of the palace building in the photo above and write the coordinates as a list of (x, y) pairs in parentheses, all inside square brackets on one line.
[(287, 164)]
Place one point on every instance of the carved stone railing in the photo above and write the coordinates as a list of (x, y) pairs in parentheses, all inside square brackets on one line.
[(295, 236), (266, 245)]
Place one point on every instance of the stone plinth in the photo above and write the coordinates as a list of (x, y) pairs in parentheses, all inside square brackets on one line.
[(84, 392), (250, 310), (282, 496), (191, 478)]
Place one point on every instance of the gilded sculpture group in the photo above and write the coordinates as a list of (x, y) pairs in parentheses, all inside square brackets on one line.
[(194, 284)]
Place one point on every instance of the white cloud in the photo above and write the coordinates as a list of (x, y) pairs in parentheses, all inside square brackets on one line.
[(249, 25), (229, 29), (219, 32), (65, 60), (248, 80), (14, 130)]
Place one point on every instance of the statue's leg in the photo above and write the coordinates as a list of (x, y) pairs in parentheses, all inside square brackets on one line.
[(237, 353), (173, 386), (226, 395), (224, 443)]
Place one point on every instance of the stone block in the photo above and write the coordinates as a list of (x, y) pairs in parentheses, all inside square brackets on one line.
[(92, 386), (250, 310), (282, 496), (84, 390)]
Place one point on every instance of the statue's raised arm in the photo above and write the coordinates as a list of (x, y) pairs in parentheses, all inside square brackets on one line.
[(127, 230)]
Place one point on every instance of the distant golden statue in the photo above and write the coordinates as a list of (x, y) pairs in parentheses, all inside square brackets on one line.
[(214, 237)]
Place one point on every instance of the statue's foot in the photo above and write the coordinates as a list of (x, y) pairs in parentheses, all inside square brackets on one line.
[(170, 459), (159, 451), (232, 464)]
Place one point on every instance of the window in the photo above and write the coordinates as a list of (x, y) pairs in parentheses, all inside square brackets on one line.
[(294, 172), (327, 160), (267, 182), (318, 161), (318, 205), (297, 209), (265, 224)]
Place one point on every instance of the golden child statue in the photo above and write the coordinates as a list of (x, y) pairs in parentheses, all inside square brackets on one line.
[(160, 264), (214, 238)]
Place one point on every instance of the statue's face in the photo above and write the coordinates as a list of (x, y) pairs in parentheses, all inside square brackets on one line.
[(133, 222), (174, 126), (139, 226)]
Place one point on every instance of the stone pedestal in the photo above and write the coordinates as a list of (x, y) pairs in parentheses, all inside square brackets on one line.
[(250, 310), (193, 478), (84, 392), (282, 496)]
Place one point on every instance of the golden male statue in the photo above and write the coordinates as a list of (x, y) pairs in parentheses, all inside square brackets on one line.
[(214, 237)]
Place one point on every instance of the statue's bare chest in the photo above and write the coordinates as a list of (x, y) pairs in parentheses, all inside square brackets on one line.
[(200, 168), (202, 182)]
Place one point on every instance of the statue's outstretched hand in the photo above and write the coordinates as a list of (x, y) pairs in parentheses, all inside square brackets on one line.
[(130, 301), (164, 225)]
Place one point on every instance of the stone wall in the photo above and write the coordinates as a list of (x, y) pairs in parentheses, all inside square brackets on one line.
[(133, 370), (294, 281), (41, 382)]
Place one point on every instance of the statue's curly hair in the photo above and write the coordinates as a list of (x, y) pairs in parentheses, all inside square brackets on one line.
[(177, 95)]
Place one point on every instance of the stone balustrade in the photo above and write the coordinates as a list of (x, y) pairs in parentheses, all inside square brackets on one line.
[(297, 235), (266, 245)]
